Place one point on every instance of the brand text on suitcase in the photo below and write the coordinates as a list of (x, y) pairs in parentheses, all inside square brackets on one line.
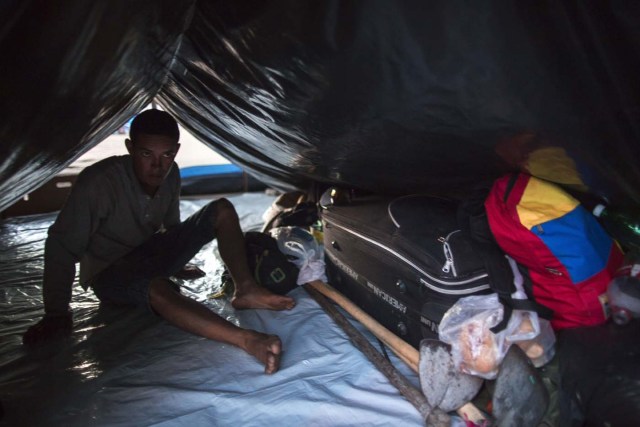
[(387, 298), (344, 267)]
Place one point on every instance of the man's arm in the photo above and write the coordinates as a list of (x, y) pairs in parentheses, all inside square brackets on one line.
[(59, 273), (66, 242)]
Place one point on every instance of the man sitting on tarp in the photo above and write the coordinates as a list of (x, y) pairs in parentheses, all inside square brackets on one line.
[(122, 223)]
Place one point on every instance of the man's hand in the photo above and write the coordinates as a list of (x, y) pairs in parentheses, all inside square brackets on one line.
[(48, 328), (190, 272)]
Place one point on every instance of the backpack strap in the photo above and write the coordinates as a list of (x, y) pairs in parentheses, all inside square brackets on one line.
[(472, 217), (509, 304), (510, 184)]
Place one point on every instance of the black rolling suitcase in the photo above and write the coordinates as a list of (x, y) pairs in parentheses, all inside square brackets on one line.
[(402, 260)]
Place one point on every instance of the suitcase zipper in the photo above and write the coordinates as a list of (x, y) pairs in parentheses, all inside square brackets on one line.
[(410, 263), (449, 265), (465, 291)]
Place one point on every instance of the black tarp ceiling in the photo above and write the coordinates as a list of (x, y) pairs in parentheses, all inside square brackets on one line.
[(392, 96)]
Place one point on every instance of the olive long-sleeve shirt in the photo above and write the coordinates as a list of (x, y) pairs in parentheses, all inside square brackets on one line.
[(106, 215)]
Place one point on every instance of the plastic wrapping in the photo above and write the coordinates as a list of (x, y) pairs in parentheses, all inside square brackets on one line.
[(303, 250), (539, 344), (541, 347), (475, 349), (386, 96), (599, 373), (73, 73)]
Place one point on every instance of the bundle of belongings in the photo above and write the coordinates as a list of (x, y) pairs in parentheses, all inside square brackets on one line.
[(285, 254), (515, 265)]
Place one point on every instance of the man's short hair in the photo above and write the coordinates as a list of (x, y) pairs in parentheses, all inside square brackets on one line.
[(154, 122)]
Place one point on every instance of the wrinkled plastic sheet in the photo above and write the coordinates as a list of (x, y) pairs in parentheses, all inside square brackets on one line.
[(126, 367), (394, 96), (600, 374)]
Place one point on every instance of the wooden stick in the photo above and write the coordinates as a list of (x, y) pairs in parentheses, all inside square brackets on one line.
[(408, 354), (401, 348), (431, 416)]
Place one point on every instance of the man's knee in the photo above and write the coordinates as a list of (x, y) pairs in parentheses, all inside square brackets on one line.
[(224, 213), (161, 290)]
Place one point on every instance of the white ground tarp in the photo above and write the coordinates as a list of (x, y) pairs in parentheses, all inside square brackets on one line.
[(124, 367)]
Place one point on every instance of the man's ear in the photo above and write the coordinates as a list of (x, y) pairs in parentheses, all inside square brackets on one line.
[(177, 148), (129, 144)]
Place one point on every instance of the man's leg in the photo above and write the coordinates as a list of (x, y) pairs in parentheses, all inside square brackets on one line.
[(128, 281), (191, 316), (231, 246)]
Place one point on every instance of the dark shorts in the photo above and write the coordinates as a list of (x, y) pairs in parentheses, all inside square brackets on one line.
[(126, 281)]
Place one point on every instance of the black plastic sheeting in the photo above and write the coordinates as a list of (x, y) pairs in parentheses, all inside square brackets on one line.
[(398, 96), (599, 372)]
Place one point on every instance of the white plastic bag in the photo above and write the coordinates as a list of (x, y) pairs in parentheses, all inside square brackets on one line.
[(476, 350), (530, 326), (534, 335), (303, 250), (541, 348), (467, 327)]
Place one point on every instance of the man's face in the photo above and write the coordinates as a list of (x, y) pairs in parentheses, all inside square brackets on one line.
[(152, 159)]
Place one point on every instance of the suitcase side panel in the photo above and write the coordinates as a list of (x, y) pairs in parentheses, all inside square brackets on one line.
[(383, 307), (388, 288)]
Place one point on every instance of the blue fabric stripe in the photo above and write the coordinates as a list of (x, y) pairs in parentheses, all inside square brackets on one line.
[(192, 171), (578, 241)]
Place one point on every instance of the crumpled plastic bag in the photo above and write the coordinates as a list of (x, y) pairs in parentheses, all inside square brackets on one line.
[(466, 326), (476, 350), (303, 250), (536, 337)]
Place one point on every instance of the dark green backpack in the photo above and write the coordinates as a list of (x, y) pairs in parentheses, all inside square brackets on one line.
[(270, 267)]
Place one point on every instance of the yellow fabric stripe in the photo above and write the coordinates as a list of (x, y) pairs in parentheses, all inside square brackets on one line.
[(542, 202), (554, 164)]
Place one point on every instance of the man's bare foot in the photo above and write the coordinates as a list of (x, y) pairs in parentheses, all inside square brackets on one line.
[(259, 297), (265, 348)]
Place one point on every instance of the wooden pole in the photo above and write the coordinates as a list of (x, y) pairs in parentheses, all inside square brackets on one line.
[(401, 348), (431, 416)]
